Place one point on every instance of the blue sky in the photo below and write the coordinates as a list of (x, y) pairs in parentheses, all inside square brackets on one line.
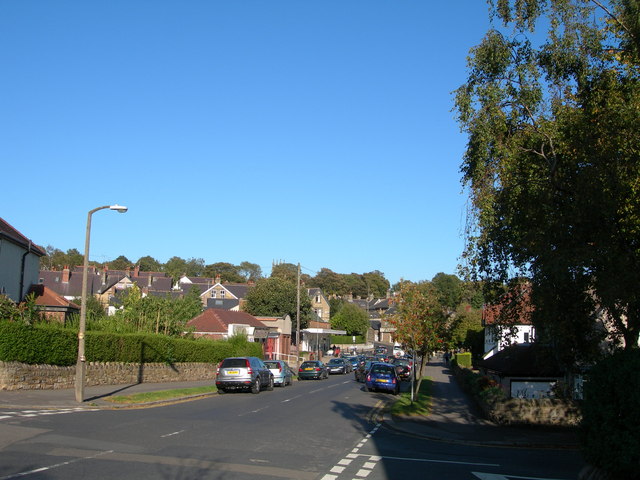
[(318, 132)]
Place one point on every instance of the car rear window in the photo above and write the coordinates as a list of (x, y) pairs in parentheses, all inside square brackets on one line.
[(381, 369), (234, 363), (272, 364), (309, 364)]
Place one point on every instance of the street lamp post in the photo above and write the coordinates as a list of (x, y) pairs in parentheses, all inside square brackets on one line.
[(80, 364)]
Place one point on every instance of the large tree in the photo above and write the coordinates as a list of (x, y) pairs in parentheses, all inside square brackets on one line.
[(351, 318), (552, 164), (275, 297)]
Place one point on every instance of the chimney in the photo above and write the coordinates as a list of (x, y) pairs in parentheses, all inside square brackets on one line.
[(104, 276), (136, 270), (66, 273), (217, 278), (150, 281)]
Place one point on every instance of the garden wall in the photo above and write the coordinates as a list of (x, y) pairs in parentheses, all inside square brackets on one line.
[(21, 376)]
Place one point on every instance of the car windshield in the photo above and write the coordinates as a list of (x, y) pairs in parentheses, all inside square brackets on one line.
[(335, 361)]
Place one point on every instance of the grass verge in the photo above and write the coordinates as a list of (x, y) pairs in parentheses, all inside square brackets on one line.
[(421, 405), (160, 395)]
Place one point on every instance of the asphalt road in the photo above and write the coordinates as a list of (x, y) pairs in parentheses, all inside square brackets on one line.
[(325, 430)]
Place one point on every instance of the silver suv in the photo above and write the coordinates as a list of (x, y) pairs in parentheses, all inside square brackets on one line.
[(243, 373)]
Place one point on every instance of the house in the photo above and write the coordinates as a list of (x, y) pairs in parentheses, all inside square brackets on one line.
[(523, 370), (278, 344), (319, 304), (53, 306), (508, 322), (19, 262), (219, 324)]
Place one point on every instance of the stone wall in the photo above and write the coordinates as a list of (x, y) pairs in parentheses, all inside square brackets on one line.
[(20, 376), (524, 411)]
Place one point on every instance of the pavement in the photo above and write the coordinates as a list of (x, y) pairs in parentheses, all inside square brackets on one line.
[(454, 417)]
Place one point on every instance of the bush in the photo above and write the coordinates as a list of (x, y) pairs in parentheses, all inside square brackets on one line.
[(52, 345), (611, 415), (463, 359)]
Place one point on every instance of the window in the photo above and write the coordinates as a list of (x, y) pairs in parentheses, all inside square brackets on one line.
[(317, 298), (526, 337), (213, 294), (221, 293)]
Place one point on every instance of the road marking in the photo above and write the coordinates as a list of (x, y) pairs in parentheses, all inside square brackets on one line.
[(171, 434), (292, 398), (51, 467)]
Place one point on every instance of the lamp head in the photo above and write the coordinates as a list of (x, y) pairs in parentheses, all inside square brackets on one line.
[(119, 208)]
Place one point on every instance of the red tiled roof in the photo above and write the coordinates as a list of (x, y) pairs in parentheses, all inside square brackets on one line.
[(515, 308), (47, 297), (216, 321)]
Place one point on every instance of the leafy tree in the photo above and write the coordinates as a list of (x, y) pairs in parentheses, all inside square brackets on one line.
[(356, 285), (351, 318), (335, 304), (466, 330), (285, 271), (176, 267), (228, 272), (449, 290), (120, 263), (419, 323), (552, 165), (275, 297), (149, 264), (377, 285), (251, 272), (330, 282)]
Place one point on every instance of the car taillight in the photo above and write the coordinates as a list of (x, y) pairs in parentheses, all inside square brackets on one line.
[(249, 371), (369, 378), (279, 367), (393, 380), (318, 369), (218, 368), (300, 369)]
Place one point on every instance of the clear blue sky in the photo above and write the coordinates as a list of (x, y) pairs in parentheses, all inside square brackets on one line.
[(317, 132)]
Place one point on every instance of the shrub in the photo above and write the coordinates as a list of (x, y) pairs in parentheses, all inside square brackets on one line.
[(49, 344), (611, 415), (463, 359)]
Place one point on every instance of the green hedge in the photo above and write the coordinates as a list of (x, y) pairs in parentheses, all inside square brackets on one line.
[(346, 339), (463, 359), (52, 345)]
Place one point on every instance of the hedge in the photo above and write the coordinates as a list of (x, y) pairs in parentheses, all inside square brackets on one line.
[(45, 344), (346, 339)]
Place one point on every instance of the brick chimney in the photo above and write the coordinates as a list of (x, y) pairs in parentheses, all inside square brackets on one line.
[(217, 278), (136, 270), (66, 273)]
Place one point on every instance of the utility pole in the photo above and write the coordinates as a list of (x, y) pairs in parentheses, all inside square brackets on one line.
[(298, 342)]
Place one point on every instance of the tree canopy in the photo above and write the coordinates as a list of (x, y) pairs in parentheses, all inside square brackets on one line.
[(351, 318), (276, 297), (552, 164)]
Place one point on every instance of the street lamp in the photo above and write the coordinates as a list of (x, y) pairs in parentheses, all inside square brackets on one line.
[(80, 364)]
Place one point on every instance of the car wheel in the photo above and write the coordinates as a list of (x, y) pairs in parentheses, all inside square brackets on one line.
[(270, 386), (255, 387)]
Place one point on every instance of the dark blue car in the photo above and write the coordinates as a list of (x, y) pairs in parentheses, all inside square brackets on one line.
[(382, 376)]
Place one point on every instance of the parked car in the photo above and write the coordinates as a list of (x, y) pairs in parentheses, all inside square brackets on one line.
[(361, 372), (382, 376), (337, 365), (312, 369), (282, 374), (403, 367), (353, 361), (243, 373)]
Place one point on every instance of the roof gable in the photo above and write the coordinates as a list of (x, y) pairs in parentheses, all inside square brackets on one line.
[(215, 320)]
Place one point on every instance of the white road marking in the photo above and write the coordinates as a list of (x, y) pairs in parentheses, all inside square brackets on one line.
[(51, 467), (171, 434)]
